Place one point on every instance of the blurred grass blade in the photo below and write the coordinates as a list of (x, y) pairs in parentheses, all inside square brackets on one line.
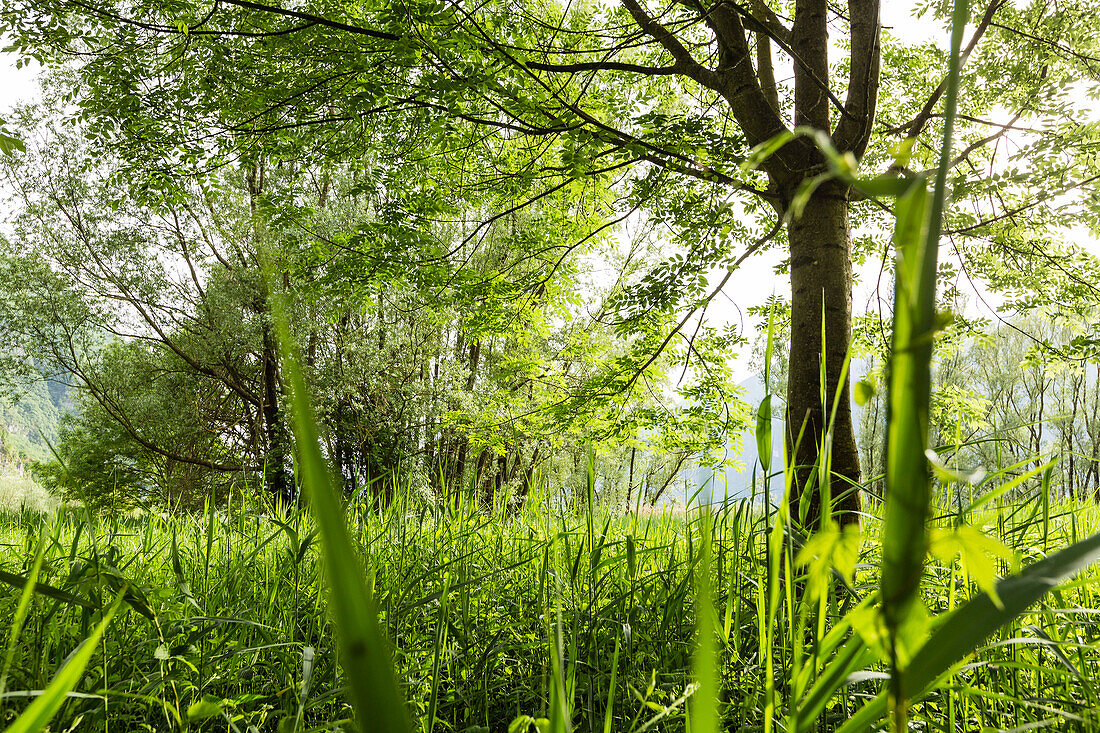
[(908, 480), (559, 716), (968, 627), (704, 704), (364, 655), (764, 411), (609, 707), (18, 581), (38, 714)]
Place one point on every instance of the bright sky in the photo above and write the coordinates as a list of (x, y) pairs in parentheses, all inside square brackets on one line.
[(16, 85)]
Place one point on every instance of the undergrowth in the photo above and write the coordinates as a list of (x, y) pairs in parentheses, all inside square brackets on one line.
[(228, 627)]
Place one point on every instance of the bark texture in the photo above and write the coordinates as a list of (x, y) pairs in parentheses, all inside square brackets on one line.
[(821, 288)]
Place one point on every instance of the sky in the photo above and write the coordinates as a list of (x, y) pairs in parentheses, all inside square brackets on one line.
[(16, 85)]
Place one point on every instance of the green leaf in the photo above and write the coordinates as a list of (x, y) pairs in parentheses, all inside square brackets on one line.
[(38, 714), (207, 707), (828, 549), (9, 145), (364, 654), (766, 150), (764, 432), (892, 186), (863, 391), (978, 553), (902, 151), (523, 723)]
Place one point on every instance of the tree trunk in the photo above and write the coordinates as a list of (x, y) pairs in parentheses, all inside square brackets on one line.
[(528, 479), (821, 282), (277, 449), (630, 478), (479, 483)]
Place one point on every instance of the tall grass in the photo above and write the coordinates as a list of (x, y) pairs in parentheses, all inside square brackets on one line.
[(20, 492), (494, 618)]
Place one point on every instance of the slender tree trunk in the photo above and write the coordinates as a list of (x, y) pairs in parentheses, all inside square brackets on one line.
[(1075, 395), (630, 478), (460, 463), (482, 486), (528, 480), (821, 284), (277, 481)]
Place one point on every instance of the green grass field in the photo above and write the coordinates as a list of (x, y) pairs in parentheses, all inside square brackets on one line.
[(227, 625)]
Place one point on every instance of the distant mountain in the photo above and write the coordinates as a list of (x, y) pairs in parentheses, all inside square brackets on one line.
[(29, 418)]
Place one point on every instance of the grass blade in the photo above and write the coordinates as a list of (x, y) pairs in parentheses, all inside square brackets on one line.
[(364, 654), (18, 581), (908, 481), (38, 714), (28, 585), (704, 704)]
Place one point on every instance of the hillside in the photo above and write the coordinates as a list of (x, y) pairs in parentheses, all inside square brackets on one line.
[(29, 417)]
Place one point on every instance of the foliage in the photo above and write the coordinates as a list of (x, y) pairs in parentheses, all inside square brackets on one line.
[(238, 611), (434, 344)]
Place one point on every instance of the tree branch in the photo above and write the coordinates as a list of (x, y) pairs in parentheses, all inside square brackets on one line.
[(914, 128), (683, 58), (319, 20), (854, 129), (607, 66)]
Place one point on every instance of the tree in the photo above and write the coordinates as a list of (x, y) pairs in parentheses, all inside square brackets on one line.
[(1009, 399), (432, 360), (678, 95)]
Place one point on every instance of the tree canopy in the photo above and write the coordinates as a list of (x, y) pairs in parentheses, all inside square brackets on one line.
[(572, 119)]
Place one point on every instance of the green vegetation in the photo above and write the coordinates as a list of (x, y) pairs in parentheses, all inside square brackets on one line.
[(29, 418), (231, 624), (19, 490), (364, 442)]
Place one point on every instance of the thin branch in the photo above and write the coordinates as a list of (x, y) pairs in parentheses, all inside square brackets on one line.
[(317, 19), (916, 126), (752, 249)]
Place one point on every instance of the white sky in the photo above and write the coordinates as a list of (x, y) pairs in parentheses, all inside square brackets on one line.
[(755, 280), (16, 85)]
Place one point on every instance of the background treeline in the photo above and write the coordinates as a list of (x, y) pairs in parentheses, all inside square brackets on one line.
[(450, 337), (1018, 393)]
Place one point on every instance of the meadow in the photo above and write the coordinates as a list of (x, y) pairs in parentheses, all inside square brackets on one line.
[(227, 627)]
